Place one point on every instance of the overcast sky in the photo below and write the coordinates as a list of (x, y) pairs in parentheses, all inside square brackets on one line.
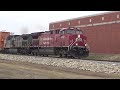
[(36, 21)]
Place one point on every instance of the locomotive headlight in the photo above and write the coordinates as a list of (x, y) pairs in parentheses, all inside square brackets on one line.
[(76, 44), (86, 45), (78, 36)]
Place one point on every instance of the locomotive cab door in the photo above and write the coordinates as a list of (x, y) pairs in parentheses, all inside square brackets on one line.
[(62, 38)]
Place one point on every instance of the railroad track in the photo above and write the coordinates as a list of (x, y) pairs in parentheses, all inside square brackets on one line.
[(53, 56)]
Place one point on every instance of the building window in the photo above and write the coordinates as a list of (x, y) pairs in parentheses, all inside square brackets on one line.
[(103, 18), (90, 20), (78, 22), (60, 25), (53, 26), (69, 23), (118, 16)]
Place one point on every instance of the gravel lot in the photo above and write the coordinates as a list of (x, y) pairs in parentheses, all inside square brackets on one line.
[(94, 66), (25, 70)]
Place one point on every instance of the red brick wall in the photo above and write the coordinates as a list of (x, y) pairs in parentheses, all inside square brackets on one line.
[(101, 38)]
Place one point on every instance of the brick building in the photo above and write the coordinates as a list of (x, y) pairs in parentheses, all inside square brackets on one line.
[(102, 30)]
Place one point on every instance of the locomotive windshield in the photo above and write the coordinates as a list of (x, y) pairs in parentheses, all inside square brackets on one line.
[(74, 31), (70, 31), (79, 32)]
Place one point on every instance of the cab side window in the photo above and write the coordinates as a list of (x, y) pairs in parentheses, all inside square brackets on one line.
[(79, 32), (51, 32), (56, 31), (62, 32)]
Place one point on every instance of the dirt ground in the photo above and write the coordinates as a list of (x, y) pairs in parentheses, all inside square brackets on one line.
[(25, 70)]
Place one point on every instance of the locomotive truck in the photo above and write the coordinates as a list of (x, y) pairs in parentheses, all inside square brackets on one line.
[(67, 42)]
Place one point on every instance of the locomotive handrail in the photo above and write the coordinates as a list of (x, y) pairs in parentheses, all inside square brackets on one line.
[(72, 44), (69, 47)]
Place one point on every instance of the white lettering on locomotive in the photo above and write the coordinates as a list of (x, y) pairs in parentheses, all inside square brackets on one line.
[(47, 38), (46, 43), (62, 36)]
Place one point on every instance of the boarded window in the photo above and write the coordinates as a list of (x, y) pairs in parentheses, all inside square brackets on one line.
[(53, 26), (118, 16), (90, 20), (69, 23), (78, 22), (60, 25), (103, 18)]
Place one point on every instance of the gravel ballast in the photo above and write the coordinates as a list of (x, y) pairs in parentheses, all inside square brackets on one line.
[(95, 66)]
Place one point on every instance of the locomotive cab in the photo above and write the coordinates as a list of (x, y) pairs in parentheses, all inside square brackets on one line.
[(76, 42)]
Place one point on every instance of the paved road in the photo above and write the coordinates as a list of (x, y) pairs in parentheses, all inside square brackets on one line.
[(20, 70)]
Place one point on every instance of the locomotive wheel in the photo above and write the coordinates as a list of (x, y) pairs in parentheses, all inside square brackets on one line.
[(66, 55), (17, 53), (36, 54), (45, 55), (32, 54), (72, 57), (60, 55)]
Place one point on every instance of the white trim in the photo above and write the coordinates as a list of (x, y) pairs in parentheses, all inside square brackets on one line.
[(81, 26), (111, 22), (85, 16), (95, 24), (99, 24), (117, 21), (89, 25)]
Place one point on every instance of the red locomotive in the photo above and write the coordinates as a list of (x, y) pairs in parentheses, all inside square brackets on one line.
[(63, 42)]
